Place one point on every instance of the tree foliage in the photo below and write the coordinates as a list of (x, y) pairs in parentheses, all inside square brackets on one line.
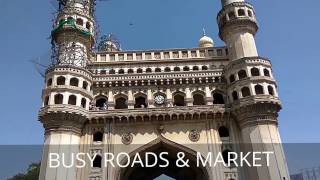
[(31, 174)]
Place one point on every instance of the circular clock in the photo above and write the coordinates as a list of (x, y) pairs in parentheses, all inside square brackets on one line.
[(159, 99)]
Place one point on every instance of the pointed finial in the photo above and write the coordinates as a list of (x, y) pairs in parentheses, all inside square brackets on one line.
[(204, 31)]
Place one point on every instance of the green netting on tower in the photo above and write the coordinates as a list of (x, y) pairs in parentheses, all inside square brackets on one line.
[(70, 22)]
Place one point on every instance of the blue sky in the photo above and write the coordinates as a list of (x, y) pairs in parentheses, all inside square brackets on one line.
[(288, 35)]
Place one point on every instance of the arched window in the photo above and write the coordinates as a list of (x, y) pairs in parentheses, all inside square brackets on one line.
[(242, 74), (84, 85), (218, 98), (259, 89), (70, 19), (250, 13), (176, 69), (88, 25), (46, 101), (231, 15), (270, 90), (97, 161), (232, 78), (61, 80), (140, 102), (74, 82), (195, 68), (235, 96), (198, 99), (58, 99), (148, 70), (49, 82), (167, 69), (223, 131), (255, 72), (241, 12), (121, 71), (245, 91), (112, 71), (266, 72), (157, 70), (83, 102), (139, 70), (130, 71), (98, 136), (179, 99), (121, 103), (204, 68), (72, 100), (101, 103), (80, 22), (186, 68)]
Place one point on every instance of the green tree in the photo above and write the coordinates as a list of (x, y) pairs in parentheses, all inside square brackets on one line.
[(31, 174)]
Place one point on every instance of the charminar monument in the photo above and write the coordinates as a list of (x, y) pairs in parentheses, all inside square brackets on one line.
[(100, 100)]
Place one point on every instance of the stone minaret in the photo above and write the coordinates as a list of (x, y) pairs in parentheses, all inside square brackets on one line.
[(67, 92), (252, 89)]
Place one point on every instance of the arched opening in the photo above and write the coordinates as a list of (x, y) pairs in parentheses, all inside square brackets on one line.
[(83, 102), (79, 22), (218, 98), (204, 68), (72, 100), (195, 68), (98, 136), (49, 82), (250, 13), (245, 91), (112, 71), (157, 70), (61, 80), (255, 72), (266, 72), (176, 69), (258, 89), (121, 71), (186, 68), (74, 82), (270, 90), (121, 103), (46, 101), (242, 74), (167, 69), (198, 99), (139, 70), (88, 25), (223, 132), (101, 103), (141, 102), (241, 12), (231, 15), (97, 162), (130, 71), (232, 78), (70, 19), (178, 99), (85, 85), (235, 96), (148, 70), (137, 172), (58, 99)]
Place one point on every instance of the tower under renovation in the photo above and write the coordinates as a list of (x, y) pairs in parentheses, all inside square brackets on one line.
[(205, 99)]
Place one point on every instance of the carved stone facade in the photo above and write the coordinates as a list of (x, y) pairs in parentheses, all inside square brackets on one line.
[(207, 99)]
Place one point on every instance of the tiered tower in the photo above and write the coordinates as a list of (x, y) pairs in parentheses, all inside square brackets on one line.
[(67, 93), (251, 88)]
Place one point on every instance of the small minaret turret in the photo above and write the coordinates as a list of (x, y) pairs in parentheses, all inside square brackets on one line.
[(238, 26), (67, 92), (252, 89)]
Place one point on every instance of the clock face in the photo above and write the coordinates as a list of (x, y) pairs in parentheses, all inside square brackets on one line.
[(159, 99)]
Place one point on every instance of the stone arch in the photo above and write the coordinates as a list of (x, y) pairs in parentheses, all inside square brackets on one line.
[(179, 98), (121, 101), (199, 98), (141, 100), (162, 144)]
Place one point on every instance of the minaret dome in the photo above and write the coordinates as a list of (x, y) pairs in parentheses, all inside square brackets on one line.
[(205, 41)]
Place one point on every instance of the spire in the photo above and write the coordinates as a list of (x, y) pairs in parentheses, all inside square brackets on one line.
[(205, 41)]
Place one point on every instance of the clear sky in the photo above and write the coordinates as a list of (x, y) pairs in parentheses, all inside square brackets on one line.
[(288, 35)]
